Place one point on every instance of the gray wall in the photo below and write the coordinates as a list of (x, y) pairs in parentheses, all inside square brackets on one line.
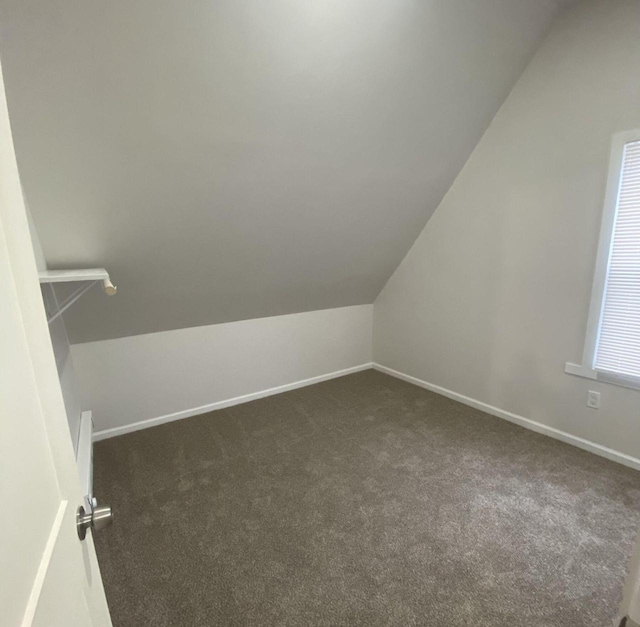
[(229, 160), (493, 298)]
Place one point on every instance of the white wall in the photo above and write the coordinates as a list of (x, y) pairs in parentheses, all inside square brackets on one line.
[(64, 364), (41, 263), (174, 374), (492, 299), (60, 343)]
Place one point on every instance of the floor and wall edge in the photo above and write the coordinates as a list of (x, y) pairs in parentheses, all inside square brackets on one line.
[(245, 398), (587, 445)]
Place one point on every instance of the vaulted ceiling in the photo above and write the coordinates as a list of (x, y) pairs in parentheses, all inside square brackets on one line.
[(227, 160)]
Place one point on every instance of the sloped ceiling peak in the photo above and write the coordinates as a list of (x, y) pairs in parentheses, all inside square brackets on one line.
[(229, 160)]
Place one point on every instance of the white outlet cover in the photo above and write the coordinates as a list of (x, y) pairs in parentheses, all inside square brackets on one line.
[(593, 399)]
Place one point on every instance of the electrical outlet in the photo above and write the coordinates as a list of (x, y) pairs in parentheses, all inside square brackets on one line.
[(593, 399)]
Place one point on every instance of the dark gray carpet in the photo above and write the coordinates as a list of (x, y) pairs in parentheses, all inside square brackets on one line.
[(361, 501)]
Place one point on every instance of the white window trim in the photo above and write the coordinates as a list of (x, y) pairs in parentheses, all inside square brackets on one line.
[(585, 369)]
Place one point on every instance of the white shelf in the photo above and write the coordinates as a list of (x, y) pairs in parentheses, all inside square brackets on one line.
[(89, 277), (70, 276)]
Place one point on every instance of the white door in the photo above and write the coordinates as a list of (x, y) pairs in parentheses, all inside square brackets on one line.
[(631, 601), (48, 577)]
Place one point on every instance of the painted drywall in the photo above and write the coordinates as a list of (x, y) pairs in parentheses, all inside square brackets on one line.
[(41, 263), (64, 364), (232, 160), (60, 344), (493, 297), (128, 380)]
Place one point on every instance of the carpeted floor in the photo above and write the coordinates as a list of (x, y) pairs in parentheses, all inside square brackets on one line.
[(361, 501)]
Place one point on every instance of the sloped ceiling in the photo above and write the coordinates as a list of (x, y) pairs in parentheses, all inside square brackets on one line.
[(227, 160)]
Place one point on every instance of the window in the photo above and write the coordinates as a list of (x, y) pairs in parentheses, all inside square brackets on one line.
[(612, 347)]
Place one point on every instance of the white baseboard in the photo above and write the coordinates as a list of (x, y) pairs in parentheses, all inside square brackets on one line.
[(598, 449), (587, 445), (245, 398)]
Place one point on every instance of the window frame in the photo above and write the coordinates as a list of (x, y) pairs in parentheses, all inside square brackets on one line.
[(585, 369)]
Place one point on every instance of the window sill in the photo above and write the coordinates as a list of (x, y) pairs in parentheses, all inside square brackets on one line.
[(578, 370)]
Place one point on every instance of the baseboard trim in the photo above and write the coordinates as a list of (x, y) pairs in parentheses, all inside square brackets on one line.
[(245, 398), (587, 445)]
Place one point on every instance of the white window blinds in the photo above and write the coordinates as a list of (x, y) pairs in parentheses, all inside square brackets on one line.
[(618, 341)]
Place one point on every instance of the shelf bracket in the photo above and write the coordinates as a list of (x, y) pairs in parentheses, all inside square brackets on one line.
[(70, 300), (88, 277)]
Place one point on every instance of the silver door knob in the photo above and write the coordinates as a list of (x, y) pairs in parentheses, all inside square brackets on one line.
[(98, 518)]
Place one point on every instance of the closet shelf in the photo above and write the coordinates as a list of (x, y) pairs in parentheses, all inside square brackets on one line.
[(71, 276), (89, 276)]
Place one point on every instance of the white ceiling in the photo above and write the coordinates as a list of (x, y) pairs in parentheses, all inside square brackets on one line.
[(228, 160)]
